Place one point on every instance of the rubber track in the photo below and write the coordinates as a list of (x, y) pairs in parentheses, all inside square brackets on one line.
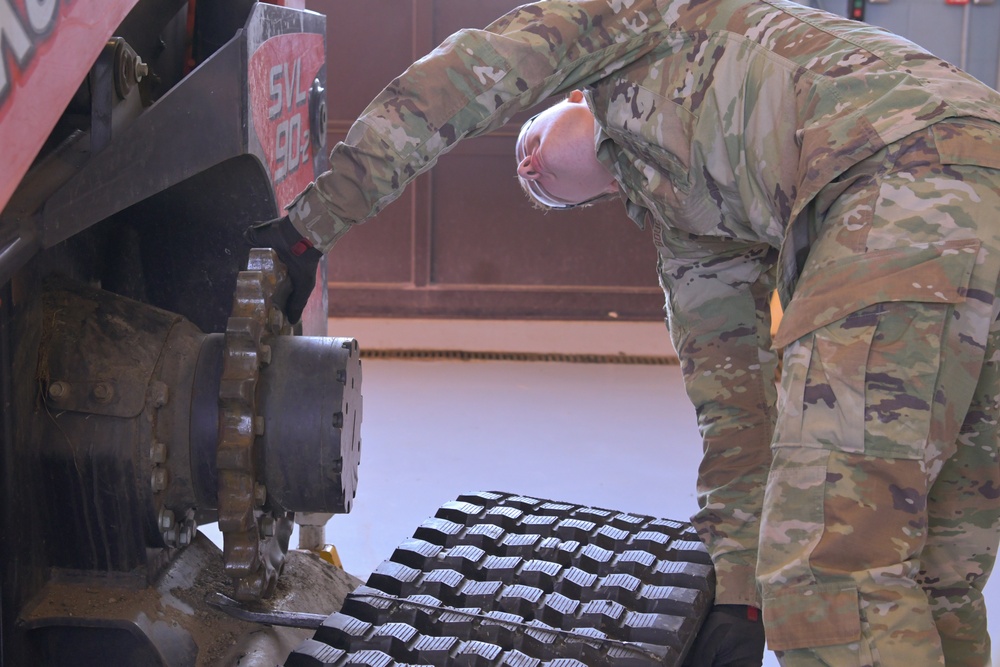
[(498, 579)]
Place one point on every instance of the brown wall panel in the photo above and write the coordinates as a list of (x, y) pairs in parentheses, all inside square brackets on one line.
[(450, 16), (509, 242), (368, 43), (463, 241), (379, 251)]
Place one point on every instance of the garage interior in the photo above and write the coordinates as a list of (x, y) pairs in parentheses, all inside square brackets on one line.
[(503, 349)]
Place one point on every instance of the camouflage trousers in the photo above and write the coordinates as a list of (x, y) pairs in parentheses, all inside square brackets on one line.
[(881, 516)]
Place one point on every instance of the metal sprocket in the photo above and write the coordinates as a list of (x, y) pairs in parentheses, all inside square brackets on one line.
[(255, 539)]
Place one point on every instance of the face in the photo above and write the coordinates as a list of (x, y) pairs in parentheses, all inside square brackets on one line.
[(555, 153)]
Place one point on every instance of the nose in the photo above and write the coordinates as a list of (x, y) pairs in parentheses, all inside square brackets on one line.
[(526, 168)]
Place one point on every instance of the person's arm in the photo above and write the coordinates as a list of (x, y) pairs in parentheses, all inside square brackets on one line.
[(718, 294), (471, 84), (474, 82)]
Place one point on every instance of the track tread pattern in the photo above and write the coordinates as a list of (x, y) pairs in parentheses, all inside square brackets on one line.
[(496, 579)]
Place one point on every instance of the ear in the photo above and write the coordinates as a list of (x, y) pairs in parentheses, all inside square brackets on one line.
[(575, 97)]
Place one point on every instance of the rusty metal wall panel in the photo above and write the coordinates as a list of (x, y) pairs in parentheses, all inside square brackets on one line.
[(481, 217)]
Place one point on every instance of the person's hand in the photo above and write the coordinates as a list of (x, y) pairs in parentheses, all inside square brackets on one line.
[(298, 255), (732, 636)]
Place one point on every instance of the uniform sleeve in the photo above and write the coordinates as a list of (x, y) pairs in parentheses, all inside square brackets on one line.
[(472, 83), (718, 306)]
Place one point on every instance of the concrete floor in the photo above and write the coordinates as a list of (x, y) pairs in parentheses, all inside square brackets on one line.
[(616, 436), (619, 436)]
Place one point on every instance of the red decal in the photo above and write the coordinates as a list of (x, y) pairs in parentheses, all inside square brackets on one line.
[(281, 74)]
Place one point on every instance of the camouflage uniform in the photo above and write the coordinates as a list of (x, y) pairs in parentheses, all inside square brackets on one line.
[(774, 146)]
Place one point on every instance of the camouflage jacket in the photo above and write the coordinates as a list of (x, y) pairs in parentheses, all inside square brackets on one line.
[(722, 121)]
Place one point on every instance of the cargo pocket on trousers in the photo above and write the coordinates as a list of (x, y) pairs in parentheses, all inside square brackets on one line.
[(824, 386), (865, 384), (812, 616), (902, 374), (862, 342)]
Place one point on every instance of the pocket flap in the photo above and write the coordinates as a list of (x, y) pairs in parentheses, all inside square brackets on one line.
[(812, 616), (971, 141), (928, 273)]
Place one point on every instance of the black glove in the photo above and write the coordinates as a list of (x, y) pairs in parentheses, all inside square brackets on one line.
[(298, 255), (732, 636)]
